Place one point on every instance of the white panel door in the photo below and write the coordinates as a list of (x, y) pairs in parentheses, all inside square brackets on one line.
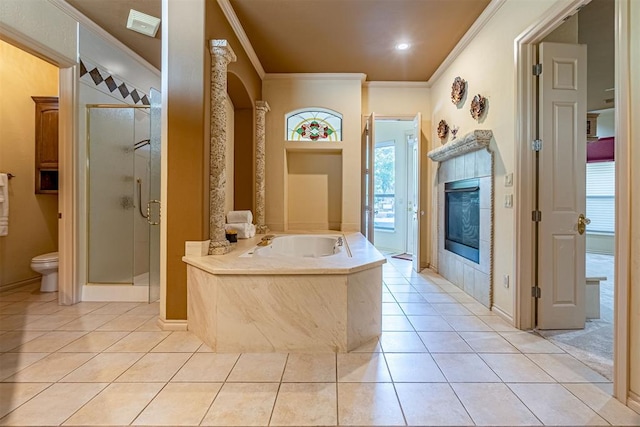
[(562, 115), (366, 222), (414, 225)]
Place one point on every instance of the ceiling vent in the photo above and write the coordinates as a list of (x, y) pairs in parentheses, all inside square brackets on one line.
[(143, 23)]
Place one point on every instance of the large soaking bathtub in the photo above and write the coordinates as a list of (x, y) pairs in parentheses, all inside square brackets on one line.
[(289, 293)]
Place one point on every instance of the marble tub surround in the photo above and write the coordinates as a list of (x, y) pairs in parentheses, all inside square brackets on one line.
[(285, 304), (468, 157)]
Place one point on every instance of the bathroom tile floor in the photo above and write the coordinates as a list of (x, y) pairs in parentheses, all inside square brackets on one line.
[(443, 359)]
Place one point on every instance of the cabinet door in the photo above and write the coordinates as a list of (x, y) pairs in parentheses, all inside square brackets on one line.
[(46, 135)]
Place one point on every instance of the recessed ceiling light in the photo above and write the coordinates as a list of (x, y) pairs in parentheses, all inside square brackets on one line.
[(143, 23), (403, 46)]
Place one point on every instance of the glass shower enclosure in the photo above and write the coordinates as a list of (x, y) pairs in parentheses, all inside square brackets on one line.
[(123, 195)]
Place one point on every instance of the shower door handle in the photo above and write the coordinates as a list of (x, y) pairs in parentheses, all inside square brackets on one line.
[(149, 203)]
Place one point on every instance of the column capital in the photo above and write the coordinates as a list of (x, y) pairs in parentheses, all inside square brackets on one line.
[(263, 106), (221, 47)]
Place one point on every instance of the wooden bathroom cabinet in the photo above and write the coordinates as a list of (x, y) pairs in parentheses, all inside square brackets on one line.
[(46, 166)]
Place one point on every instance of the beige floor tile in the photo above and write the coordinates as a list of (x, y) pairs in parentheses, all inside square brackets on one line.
[(116, 308), (451, 309), (152, 309), (93, 342), (150, 325), (242, 404), (13, 339), (463, 298), (368, 405), (467, 323), (429, 288), (529, 342), (396, 323), (429, 404), (598, 397), (488, 342), (125, 322), (179, 404), (516, 368), (53, 406), (395, 280), (13, 395), (565, 368), (118, 404), (206, 367), (103, 368), (11, 322), (82, 308), (178, 342), (256, 367), (362, 367), (444, 342), (310, 368), (51, 368), (387, 297), (438, 297), (418, 309), (391, 308), (88, 322), (371, 346), (413, 367), (465, 368), (10, 363), (49, 323), (305, 404), (408, 297), (401, 342), (477, 308), (497, 324), (430, 323), (50, 342), (138, 342), (493, 404), (555, 405), (154, 367)]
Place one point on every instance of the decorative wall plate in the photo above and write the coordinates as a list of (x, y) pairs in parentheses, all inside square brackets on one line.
[(477, 106), (457, 90), (443, 129)]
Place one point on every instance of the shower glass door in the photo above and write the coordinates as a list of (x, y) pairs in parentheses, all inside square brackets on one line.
[(123, 153)]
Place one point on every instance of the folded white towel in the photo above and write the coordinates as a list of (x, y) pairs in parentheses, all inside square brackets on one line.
[(244, 229), (237, 217), (4, 204)]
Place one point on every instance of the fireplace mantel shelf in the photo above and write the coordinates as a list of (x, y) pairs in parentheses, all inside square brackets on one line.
[(476, 140)]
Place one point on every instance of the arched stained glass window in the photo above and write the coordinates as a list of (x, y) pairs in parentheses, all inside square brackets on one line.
[(314, 124)]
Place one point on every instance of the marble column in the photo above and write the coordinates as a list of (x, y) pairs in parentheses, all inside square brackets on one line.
[(221, 56), (261, 111)]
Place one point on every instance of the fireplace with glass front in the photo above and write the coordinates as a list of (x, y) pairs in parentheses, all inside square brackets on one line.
[(462, 218)]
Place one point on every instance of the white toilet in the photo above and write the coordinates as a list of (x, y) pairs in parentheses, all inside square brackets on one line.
[(47, 265)]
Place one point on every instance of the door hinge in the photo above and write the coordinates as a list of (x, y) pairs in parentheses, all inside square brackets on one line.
[(536, 216), (535, 292), (537, 69), (536, 145)]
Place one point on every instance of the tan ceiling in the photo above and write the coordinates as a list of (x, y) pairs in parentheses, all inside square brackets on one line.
[(323, 36)]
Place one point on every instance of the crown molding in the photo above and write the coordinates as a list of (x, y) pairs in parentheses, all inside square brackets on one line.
[(397, 85), (471, 33), (316, 76), (232, 18), (93, 27)]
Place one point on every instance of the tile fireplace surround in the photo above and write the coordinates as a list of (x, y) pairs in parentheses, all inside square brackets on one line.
[(464, 158)]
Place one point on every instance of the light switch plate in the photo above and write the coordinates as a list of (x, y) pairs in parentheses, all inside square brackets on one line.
[(508, 180), (508, 200)]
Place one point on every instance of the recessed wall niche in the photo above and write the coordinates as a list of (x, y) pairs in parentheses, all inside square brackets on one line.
[(313, 189)]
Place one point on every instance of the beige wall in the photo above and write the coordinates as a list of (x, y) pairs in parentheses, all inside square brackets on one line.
[(487, 64), (284, 94), (634, 189), (33, 224)]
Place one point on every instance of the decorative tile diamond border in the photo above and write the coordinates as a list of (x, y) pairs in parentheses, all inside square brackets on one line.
[(111, 85)]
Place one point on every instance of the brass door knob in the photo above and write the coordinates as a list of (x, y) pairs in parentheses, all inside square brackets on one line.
[(582, 223)]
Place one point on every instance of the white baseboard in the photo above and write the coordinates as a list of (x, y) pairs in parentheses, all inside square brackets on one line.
[(172, 325), (115, 293), (501, 314)]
